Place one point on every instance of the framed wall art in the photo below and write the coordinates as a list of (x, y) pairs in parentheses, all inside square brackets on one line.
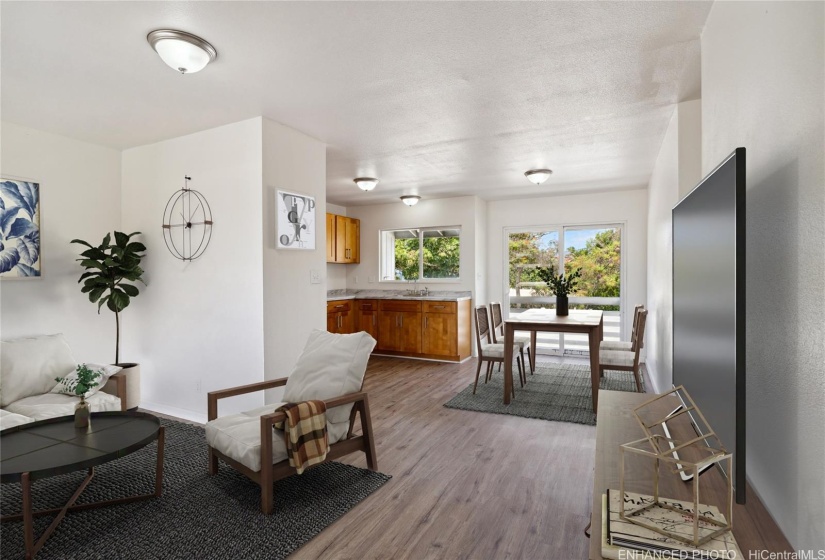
[(20, 253), (296, 221)]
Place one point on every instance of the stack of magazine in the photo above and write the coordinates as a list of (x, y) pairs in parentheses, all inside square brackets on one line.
[(638, 542)]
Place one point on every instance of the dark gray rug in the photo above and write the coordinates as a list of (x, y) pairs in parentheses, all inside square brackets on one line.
[(558, 392), (198, 516)]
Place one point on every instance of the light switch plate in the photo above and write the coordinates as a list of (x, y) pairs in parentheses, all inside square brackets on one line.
[(314, 277)]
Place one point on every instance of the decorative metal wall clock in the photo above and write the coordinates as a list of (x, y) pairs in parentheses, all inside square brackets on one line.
[(187, 223)]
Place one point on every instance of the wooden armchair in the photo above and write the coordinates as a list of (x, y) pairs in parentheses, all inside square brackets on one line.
[(249, 443)]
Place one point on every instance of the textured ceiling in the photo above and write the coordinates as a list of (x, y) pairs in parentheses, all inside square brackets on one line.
[(437, 99)]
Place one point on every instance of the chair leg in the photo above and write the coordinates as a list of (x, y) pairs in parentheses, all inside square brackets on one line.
[(530, 357), (366, 431), (212, 467), (499, 366), (489, 372), (638, 380), (478, 371), (521, 351), (520, 371)]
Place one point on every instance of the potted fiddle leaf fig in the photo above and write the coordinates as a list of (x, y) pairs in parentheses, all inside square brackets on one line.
[(561, 285), (111, 271)]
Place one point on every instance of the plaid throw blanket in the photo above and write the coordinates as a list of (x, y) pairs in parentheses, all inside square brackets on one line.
[(305, 433)]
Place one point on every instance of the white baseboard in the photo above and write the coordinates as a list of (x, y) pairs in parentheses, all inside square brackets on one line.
[(170, 410)]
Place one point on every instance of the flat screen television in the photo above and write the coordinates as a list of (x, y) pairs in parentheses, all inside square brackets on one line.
[(709, 304)]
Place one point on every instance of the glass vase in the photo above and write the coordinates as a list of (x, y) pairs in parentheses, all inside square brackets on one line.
[(82, 414)]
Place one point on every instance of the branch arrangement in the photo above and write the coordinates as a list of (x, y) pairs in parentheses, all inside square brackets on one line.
[(561, 284)]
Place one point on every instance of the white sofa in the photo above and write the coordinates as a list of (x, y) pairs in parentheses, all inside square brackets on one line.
[(28, 368)]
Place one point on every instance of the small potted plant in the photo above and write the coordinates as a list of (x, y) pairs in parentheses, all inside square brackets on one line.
[(561, 285), (83, 381)]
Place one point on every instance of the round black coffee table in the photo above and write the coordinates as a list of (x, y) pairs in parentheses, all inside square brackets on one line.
[(52, 447)]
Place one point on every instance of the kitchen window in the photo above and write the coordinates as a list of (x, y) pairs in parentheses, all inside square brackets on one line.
[(431, 253)]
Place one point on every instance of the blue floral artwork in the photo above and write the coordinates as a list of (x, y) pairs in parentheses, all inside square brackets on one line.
[(19, 229)]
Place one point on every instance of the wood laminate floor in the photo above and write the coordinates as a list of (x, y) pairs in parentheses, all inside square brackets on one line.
[(465, 484)]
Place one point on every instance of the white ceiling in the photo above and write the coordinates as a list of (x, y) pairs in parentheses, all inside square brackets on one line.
[(437, 99)]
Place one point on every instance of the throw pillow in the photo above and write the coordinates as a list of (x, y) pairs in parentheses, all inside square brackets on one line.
[(66, 386)]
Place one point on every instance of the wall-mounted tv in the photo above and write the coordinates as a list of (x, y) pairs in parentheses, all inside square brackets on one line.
[(709, 304)]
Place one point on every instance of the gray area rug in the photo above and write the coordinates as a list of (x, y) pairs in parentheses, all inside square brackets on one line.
[(558, 392), (198, 516)]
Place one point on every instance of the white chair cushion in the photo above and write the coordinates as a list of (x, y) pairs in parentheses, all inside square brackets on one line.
[(616, 358), (238, 436), (29, 366), (496, 350), (615, 345), (331, 365), (10, 419), (52, 405)]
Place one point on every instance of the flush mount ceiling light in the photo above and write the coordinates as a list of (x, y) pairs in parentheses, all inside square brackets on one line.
[(182, 51), (410, 199), (538, 176), (365, 183)]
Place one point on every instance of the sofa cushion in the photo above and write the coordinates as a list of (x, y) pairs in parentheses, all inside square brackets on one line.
[(52, 405), (66, 386), (238, 436), (331, 365), (10, 419), (29, 366)]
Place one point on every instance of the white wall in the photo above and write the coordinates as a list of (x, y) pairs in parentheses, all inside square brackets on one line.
[(629, 207), (480, 292), (458, 211), (762, 88), (677, 170), (80, 198), (336, 273), (292, 306), (198, 326)]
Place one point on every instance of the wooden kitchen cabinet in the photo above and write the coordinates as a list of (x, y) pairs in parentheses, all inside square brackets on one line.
[(436, 330), (440, 329), (399, 326), (330, 237), (343, 239), (366, 317), (340, 316)]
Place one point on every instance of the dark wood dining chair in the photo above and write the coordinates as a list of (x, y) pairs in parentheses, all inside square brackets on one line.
[(491, 352), (626, 360), (497, 328)]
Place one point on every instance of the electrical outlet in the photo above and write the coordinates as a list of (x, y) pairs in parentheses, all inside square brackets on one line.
[(314, 277)]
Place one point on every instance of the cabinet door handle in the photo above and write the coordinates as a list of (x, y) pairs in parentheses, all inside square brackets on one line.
[(339, 305)]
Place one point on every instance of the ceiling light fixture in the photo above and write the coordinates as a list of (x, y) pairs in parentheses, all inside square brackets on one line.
[(365, 183), (410, 199), (538, 176), (182, 51)]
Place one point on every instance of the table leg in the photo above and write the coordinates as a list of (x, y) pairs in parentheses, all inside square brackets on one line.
[(508, 362), (159, 464), (594, 339), (532, 350), (28, 522)]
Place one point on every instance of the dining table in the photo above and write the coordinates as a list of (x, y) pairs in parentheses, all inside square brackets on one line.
[(587, 321)]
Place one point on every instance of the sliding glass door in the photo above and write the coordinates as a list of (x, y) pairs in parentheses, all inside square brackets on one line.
[(595, 249)]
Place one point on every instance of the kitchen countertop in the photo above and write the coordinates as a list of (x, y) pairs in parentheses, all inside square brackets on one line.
[(434, 295)]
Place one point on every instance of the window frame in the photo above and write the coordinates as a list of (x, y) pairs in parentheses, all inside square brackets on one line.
[(386, 252)]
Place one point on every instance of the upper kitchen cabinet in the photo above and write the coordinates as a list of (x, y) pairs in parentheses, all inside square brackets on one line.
[(343, 239)]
